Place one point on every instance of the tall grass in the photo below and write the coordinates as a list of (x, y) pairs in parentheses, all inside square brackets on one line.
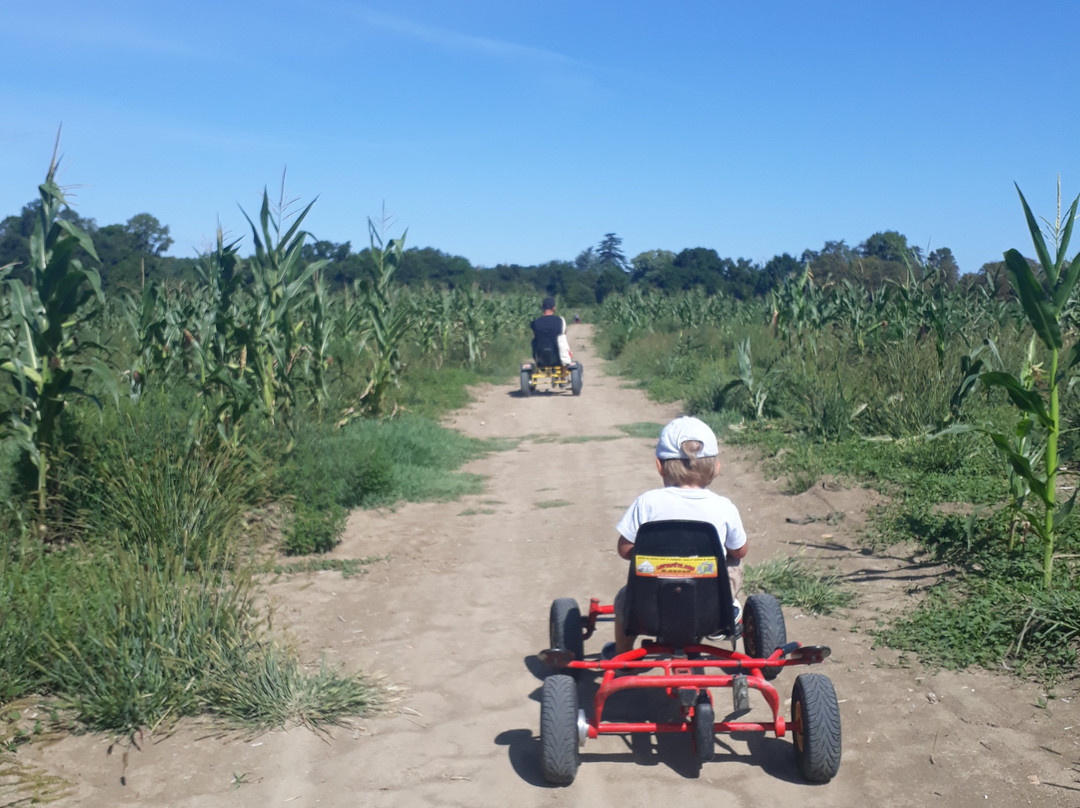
[(135, 634)]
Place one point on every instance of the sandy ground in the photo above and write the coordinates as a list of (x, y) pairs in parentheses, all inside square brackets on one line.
[(454, 617)]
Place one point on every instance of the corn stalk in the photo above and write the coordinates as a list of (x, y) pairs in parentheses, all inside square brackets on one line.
[(43, 355), (1043, 298), (389, 320), (273, 323)]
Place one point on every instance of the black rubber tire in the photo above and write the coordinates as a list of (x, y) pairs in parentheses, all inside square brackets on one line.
[(575, 380), (704, 738), (815, 722), (559, 755), (526, 383), (564, 627), (763, 629)]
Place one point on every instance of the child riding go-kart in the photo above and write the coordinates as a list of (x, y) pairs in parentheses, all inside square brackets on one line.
[(677, 592)]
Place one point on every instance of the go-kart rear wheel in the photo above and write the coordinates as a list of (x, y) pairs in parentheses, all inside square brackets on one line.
[(816, 727), (526, 383), (564, 627), (704, 737), (763, 629), (575, 380), (559, 755)]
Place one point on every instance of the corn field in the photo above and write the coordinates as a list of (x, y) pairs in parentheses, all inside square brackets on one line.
[(258, 342), (911, 361)]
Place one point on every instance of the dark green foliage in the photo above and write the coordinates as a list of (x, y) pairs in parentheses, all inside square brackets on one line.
[(997, 616), (367, 464)]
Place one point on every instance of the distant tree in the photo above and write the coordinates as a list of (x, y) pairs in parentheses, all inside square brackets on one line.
[(696, 267), (650, 266), (995, 278), (586, 260), (326, 251), (131, 252), (775, 271), (740, 278), (149, 236), (888, 246), (888, 256), (609, 253), (566, 282), (343, 265), (611, 279), (832, 261), (427, 265), (943, 261), (504, 278)]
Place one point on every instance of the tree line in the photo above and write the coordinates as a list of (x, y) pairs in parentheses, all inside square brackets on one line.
[(134, 252)]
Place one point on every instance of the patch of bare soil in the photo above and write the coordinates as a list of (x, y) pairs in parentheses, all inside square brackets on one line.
[(458, 610)]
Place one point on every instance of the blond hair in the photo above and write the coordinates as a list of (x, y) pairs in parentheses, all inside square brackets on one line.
[(691, 470)]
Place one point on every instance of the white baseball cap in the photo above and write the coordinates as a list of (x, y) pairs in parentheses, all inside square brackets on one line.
[(682, 429)]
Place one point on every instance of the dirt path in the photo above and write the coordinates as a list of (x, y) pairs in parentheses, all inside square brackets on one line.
[(455, 616)]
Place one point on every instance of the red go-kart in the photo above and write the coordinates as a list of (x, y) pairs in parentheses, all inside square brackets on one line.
[(678, 593)]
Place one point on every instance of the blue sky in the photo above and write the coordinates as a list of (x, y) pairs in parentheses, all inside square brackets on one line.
[(522, 132)]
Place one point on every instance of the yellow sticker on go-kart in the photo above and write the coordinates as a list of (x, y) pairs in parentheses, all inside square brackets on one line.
[(676, 566)]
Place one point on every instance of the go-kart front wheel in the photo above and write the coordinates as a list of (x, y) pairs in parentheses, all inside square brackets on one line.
[(763, 629), (816, 727), (526, 383), (559, 756), (704, 737), (564, 627)]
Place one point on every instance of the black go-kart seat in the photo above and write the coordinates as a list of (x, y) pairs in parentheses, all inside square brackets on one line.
[(546, 352), (678, 589)]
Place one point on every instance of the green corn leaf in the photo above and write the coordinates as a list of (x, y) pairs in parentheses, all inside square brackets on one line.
[(1024, 428), (971, 371), (1037, 307), (1026, 400), (79, 236), (16, 368), (1022, 466), (1066, 283), (1063, 513), (1066, 233), (1040, 244), (292, 231), (955, 429), (1074, 352)]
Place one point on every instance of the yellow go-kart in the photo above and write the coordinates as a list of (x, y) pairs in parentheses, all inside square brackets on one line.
[(556, 377)]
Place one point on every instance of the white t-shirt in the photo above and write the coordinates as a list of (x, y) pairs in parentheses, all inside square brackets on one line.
[(695, 504)]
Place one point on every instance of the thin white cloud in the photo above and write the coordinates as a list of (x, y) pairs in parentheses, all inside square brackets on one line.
[(453, 40)]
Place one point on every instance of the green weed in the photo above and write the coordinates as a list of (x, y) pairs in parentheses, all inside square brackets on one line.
[(268, 687), (796, 583), (993, 622), (642, 429), (348, 567)]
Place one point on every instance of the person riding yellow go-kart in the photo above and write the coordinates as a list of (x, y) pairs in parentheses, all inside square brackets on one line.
[(552, 364)]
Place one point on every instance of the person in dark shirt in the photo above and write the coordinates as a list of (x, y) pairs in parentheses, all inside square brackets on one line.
[(547, 329)]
